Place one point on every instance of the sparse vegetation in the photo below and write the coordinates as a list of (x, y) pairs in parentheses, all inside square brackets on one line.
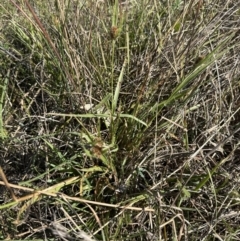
[(119, 120)]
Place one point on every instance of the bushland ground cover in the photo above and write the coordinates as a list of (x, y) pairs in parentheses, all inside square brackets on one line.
[(119, 120)]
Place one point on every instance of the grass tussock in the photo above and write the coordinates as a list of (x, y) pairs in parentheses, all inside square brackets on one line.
[(119, 120)]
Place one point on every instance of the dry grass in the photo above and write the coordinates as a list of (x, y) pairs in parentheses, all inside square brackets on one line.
[(119, 120)]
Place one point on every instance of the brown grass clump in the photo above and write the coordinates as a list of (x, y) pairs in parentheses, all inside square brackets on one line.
[(119, 120)]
